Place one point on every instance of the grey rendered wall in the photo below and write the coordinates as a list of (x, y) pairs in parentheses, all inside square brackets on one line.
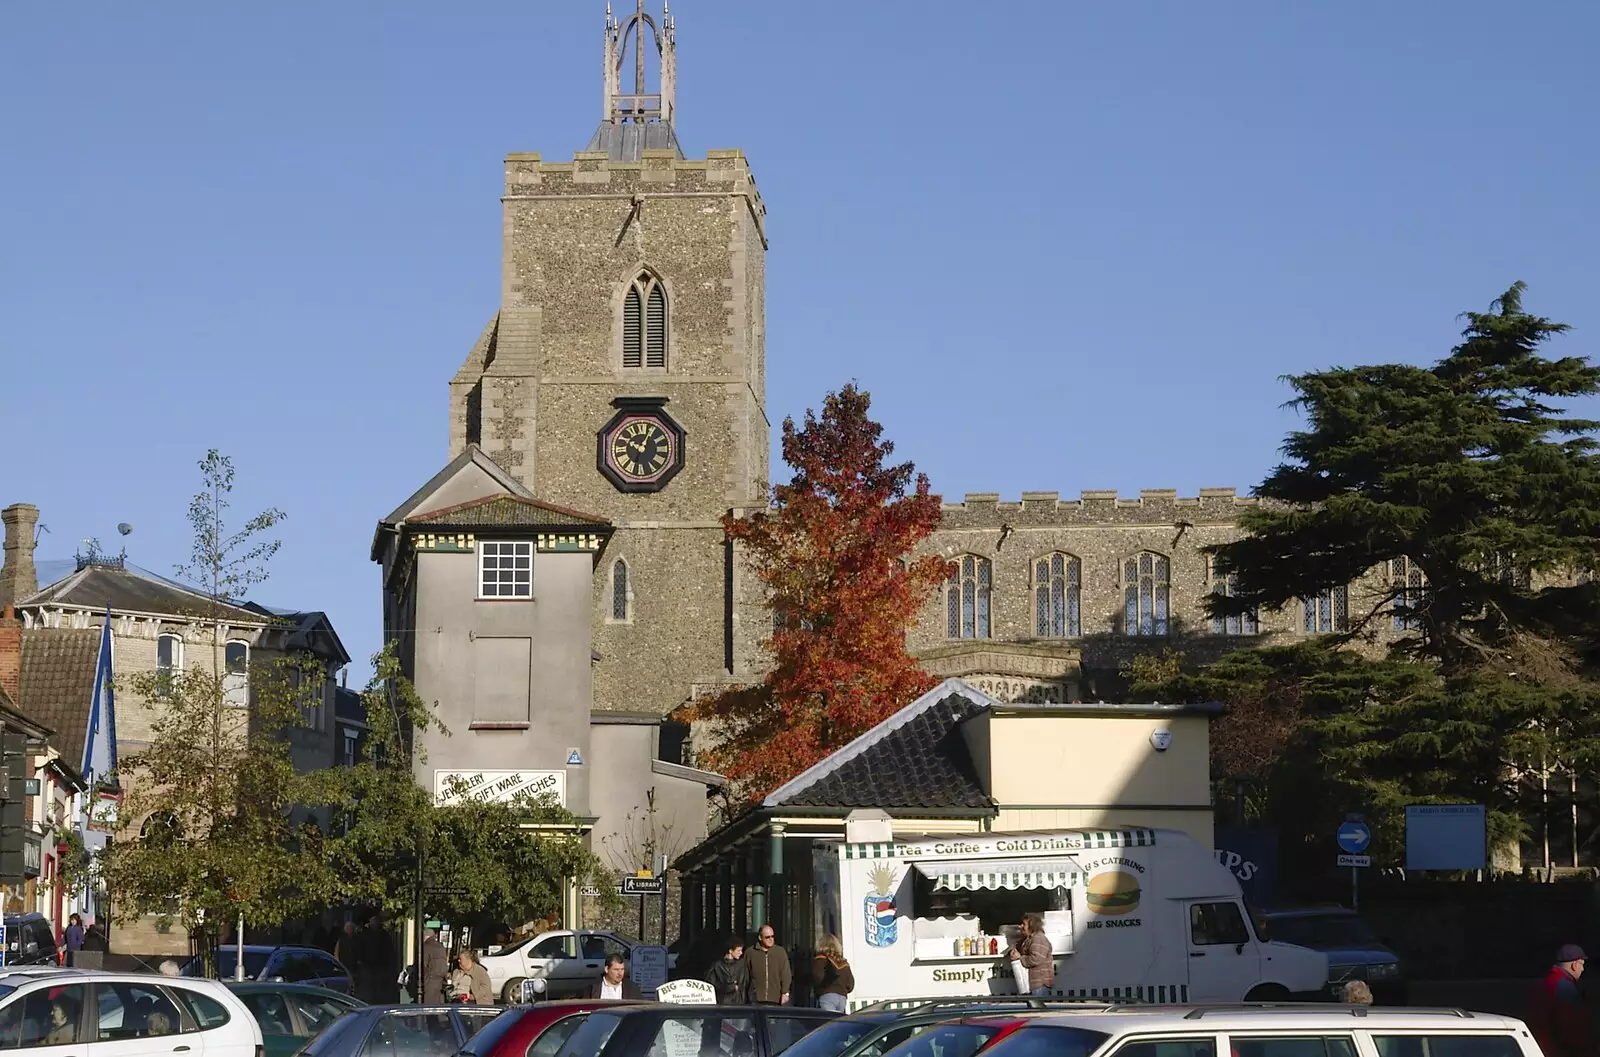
[(450, 618)]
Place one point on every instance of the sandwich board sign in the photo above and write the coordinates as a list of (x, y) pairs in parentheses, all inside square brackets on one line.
[(685, 992), (648, 967)]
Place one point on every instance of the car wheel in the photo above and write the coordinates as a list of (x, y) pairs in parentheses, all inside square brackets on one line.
[(511, 995), (1268, 993)]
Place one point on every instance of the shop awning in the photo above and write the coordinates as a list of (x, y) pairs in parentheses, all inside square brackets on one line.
[(972, 874)]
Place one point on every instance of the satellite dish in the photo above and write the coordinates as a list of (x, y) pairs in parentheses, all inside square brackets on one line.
[(124, 528)]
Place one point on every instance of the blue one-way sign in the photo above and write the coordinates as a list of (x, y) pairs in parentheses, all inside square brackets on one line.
[(1354, 837)]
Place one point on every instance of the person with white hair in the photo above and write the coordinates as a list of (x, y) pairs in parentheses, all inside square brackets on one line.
[(170, 968)]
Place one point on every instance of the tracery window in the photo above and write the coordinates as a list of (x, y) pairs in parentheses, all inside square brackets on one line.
[(644, 323), (967, 598), (1326, 612), (1407, 583), (1246, 623), (1057, 596), (621, 592), (1146, 594)]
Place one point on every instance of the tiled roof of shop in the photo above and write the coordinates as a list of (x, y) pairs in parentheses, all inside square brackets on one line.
[(58, 666), (505, 510), (921, 762)]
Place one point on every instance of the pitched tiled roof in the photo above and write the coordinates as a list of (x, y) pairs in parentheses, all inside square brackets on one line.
[(134, 590), (58, 666), (922, 762), (505, 511)]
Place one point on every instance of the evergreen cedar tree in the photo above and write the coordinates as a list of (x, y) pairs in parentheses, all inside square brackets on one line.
[(1472, 472), (833, 553), (1469, 470)]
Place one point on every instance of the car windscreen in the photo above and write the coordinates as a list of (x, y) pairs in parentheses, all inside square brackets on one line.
[(490, 1036), (1045, 1040), (1321, 931), (331, 1036), (831, 1039), (947, 1040), (254, 962)]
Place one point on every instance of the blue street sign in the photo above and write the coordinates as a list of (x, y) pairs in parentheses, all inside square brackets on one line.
[(1353, 837)]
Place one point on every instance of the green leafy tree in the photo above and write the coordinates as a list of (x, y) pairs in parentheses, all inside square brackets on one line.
[(1469, 471), (481, 861)]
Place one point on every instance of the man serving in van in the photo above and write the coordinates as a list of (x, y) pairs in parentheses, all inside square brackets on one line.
[(1033, 950)]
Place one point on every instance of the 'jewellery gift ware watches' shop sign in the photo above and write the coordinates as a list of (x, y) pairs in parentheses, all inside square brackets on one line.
[(452, 786)]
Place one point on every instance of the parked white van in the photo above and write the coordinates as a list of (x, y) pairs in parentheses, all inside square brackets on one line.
[(1135, 915)]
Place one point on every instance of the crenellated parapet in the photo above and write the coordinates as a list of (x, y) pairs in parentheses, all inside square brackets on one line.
[(1152, 506)]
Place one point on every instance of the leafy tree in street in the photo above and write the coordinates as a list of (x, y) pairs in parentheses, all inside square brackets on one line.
[(205, 830), (1465, 484), (484, 861), (834, 553)]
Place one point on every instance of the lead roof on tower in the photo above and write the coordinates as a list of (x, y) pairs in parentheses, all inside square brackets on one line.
[(636, 121)]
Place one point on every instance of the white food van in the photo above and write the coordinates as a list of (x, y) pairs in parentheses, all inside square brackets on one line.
[(1139, 915)]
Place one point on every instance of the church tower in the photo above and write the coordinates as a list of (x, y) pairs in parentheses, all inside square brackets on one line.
[(624, 374)]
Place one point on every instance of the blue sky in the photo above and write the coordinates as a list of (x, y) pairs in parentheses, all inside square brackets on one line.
[(1064, 246)]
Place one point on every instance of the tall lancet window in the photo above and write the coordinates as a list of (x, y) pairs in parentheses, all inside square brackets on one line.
[(644, 323)]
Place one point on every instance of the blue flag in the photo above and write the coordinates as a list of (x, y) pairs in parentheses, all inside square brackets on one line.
[(100, 746)]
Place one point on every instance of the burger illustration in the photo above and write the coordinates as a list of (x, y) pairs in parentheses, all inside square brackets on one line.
[(1113, 892)]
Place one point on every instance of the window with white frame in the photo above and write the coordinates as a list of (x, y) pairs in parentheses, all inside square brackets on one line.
[(1146, 594), (169, 660), (505, 569), (349, 746), (621, 593), (1245, 623), (644, 323), (1057, 596), (1327, 612), (1407, 586), (236, 673), (1508, 571), (967, 597)]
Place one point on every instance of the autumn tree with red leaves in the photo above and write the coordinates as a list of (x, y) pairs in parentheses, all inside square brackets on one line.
[(834, 554)]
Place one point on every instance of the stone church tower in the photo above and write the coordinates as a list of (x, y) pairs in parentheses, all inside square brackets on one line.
[(624, 374)]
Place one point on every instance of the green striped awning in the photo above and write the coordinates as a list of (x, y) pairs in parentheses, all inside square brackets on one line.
[(969, 875)]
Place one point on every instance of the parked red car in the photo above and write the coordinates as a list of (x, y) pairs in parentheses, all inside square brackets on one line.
[(533, 1031)]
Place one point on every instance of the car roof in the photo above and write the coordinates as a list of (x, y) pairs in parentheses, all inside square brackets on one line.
[(256, 986), (1270, 1016), (105, 976)]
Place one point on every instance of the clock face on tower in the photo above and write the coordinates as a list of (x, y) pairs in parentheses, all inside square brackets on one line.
[(641, 448)]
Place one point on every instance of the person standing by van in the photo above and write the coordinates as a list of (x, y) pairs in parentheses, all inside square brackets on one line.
[(1033, 950), (831, 976), (1558, 1017), (771, 975)]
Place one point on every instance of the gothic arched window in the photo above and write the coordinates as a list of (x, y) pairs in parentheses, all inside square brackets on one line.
[(1408, 586), (1146, 593), (967, 598), (1057, 593), (644, 323)]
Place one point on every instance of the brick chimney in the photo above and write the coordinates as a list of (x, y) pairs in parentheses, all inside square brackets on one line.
[(11, 654), (18, 578)]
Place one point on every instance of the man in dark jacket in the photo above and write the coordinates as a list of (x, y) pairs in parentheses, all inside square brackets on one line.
[(435, 968), (1558, 1017), (614, 981), (770, 971), (730, 975)]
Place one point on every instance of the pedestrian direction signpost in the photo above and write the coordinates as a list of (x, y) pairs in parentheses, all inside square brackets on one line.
[(644, 886)]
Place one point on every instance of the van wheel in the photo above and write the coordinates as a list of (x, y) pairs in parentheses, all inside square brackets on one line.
[(511, 994), (1268, 993)]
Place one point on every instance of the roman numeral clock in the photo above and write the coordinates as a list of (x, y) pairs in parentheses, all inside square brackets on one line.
[(641, 448)]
